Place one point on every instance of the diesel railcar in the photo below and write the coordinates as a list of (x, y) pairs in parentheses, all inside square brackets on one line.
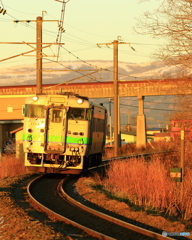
[(63, 133)]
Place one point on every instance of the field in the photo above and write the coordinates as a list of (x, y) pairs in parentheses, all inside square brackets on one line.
[(148, 185), (11, 166), (141, 183)]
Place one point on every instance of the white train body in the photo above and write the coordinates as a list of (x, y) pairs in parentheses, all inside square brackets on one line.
[(63, 132)]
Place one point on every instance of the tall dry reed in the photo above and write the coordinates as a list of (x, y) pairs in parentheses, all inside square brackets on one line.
[(149, 185), (132, 149), (11, 166)]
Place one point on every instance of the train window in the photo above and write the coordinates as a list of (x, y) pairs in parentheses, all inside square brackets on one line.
[(79, 114), (89, 113), (56, 115), (34, 111)]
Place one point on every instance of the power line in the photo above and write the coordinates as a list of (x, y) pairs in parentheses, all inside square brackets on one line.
[(83, 42), (92, 64), (63, 65), (2, 4), (158, 109), (84, 60), (61, 29)]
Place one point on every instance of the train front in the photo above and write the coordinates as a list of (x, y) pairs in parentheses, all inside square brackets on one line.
[(47, 128)]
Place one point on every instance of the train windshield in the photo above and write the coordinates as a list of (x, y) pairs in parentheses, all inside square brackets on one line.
[(34, 111), (79, 114)]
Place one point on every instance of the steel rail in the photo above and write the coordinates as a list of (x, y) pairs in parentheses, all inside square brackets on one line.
[(109, 218), (99, 214), (134, 156), (60, 217)]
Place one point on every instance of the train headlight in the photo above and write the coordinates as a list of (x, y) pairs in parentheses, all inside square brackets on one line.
[(77, 149), (80, 101), (35, 99)]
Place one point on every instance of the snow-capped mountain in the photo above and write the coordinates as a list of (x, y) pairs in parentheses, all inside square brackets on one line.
[(75, 71)]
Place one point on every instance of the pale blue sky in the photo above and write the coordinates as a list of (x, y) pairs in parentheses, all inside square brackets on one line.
[(87, 22)]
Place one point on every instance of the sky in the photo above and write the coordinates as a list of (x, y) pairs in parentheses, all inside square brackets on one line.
[(86, 23)]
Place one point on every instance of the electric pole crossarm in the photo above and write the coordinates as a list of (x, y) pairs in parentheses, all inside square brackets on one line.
[(106, 44), (71, 70), (21, 54), (61, 1), (38, 49), (28, 21), (31, 43)]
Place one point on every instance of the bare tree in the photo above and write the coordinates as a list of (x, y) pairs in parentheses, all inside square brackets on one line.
[(172, 21)]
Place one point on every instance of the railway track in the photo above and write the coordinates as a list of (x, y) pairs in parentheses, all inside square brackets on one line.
[(52, 194)]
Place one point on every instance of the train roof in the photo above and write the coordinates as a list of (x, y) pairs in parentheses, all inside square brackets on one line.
[(73, 95), (83, 97)]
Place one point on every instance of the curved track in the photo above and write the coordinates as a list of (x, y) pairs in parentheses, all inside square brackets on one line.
[(48, 194)]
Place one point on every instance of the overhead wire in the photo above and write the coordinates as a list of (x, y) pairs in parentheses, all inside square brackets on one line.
[(92, 64), (100, 68), (60, 27), (47, 32), (2, 3), (65, 82), (84, 41), (84, 60), (159, 109), (119, 73), (81, 42)]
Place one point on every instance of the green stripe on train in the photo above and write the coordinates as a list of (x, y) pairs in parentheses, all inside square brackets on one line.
[(79, 140), (69, 139)]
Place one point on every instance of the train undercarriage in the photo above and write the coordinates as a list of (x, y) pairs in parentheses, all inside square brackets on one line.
[(68, 164)]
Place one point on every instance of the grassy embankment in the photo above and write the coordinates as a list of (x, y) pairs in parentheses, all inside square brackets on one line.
[(148, 184), (11, 166)]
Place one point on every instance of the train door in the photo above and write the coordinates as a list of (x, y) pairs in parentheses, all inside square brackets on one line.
[(56, 130)]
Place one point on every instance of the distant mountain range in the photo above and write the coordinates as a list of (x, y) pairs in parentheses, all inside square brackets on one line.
[(156, 108), (67, 71)]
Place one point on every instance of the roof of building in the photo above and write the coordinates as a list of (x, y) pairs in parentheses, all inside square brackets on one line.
[(154, 129), (129, 133), (11, 108), (16, 130)]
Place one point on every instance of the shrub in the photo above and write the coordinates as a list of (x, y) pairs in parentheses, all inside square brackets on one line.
[(11, 166), (149, 185)]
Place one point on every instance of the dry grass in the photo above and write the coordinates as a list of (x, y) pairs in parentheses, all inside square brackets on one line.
[(131, 149), (11, 166), (148, 184)]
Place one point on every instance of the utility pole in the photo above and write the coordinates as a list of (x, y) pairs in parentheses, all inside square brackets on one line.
[(128, 121), (182, 159), (110, 123), (38, 49), (39, 54), (116, 114), (116, 96)]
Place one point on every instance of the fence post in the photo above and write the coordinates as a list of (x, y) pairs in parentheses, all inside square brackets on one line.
[(182, 160)]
